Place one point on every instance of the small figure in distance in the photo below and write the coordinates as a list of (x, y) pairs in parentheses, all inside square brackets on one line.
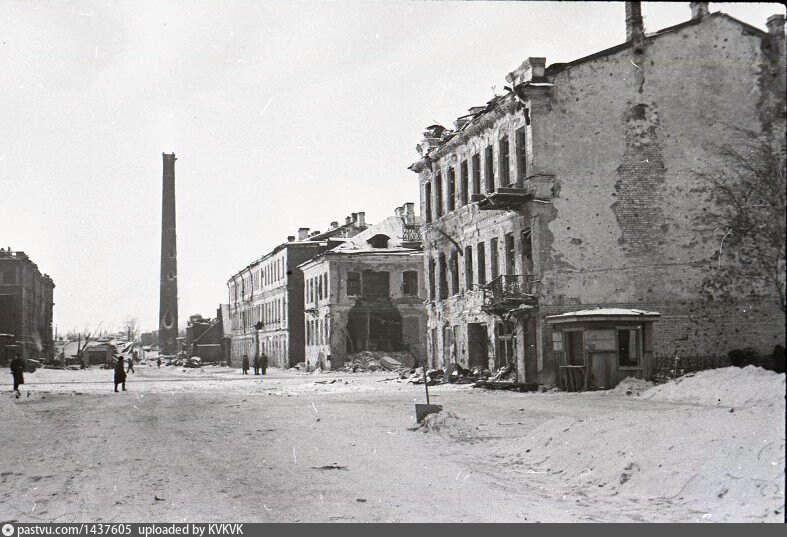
[(264, 362), (256, 365), (17, 370), (245, 364)]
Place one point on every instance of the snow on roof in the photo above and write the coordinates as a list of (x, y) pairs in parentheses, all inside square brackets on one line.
[(600, 314)]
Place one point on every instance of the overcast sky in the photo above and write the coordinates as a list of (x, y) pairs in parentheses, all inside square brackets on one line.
[(282, 115)]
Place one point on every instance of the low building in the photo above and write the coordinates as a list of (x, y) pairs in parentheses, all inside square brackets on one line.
[(26, 304), (205, 338), (266, 297), (367, 293)]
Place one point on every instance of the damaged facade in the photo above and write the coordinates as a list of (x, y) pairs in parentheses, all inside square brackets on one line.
[(266, 297), (574, 190), (367, 294)]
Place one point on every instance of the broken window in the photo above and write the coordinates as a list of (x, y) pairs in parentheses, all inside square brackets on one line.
[(454, 272), (476, 174), (432, 294), (353, 284), (319, 288), (490, 169), (468, 267), (324, 288), (505, 161), (527, 249), (375, 284), (428, 202), (438, 195), (451, 187), (481, 258), (463, 183), (510, 254), (628, 347), (410, 283), (521, 154), (443, 276), (494, 258)]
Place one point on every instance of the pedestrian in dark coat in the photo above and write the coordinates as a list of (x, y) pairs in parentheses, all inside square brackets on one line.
[(130, 365), (120, 374), (264, 362), (256, 365), (17, 370), (245, 365), (158, 362)]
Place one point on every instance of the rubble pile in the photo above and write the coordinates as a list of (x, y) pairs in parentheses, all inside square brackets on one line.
[(378, 361)]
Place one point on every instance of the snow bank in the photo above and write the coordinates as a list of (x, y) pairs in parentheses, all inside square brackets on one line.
[(724, 465), (728, 386)]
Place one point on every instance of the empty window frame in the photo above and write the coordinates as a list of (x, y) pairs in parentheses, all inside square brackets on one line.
[(504, 157), (353, 284), (410, 283), (489, 164), (442, 271), (451, 190), (521, 154), (481, 261), (476, 174), (432, 294), (464, 186), (494, 258), (376, 283), (454, 271), (510, 254), (629, 347), (468, 267), (438, 195), (428, 202)]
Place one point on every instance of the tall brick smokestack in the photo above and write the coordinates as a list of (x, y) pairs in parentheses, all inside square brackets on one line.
[(168, 297), (635, 28)]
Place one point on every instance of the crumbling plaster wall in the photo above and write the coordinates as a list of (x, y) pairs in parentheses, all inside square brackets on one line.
[(629, 132), (337, 307)]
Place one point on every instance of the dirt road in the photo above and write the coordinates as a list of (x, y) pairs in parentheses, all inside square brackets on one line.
[(212, 445)]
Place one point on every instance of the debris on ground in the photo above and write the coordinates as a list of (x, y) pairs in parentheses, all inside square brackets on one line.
[(631, 386), (333, 466), (378, 360), (447, 423)]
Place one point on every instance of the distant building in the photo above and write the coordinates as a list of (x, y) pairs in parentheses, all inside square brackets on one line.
[(578, 189), (266, 297), (205, 339), (26, 303), (367, 293)]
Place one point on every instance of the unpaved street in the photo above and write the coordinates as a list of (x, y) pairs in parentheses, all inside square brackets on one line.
[(212, 445)]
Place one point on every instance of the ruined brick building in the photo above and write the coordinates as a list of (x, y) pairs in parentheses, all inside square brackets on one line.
[(574, 190), (266, 297), (26, 304), (367, 293)]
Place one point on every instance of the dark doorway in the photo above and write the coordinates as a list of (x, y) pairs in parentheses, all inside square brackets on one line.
[(477, 346)]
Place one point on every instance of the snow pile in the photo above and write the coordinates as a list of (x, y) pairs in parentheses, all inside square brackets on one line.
[(719, 462), (448, 423), (631, 386), (728, 386)]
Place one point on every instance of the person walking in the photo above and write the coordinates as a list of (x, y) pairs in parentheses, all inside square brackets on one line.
[(245, 364), (120, 374), (158, 362), (17, 370), (130, 365), (256, 365), (264, 362)]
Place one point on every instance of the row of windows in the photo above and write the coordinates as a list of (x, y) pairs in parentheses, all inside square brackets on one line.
[(318, 332), (445, 269), (370, 283), (316, 288), (270, 312), (271, 272), (469, 180)]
